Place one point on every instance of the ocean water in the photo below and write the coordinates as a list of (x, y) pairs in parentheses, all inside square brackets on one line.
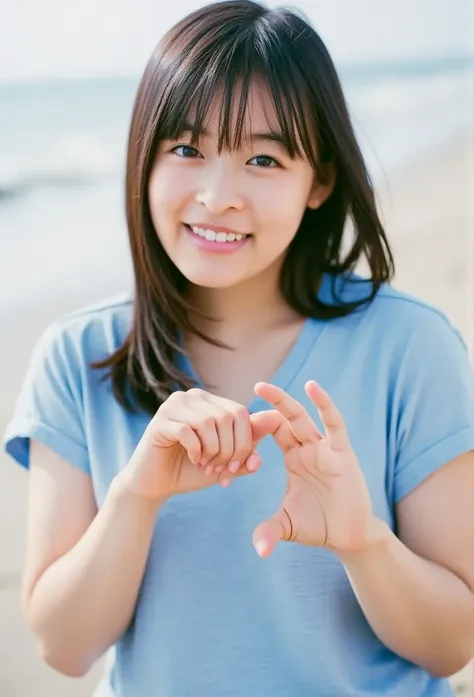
[(62, 154)]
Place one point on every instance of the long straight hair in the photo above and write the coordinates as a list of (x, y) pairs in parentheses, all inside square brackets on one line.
[(211, 52)]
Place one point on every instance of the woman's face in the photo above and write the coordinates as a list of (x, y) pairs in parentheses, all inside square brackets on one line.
[(224, 218)]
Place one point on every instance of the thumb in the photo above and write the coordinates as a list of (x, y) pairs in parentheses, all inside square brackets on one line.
[(264, 423), (266, 536)]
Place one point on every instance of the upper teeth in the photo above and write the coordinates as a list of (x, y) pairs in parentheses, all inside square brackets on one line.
[(216, 236)]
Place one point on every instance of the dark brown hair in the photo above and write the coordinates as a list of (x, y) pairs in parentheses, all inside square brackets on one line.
[(207, 53)]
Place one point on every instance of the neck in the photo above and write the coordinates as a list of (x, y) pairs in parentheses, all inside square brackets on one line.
[(242, 312)]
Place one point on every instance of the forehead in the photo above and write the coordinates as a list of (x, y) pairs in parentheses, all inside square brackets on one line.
[(259, 115)]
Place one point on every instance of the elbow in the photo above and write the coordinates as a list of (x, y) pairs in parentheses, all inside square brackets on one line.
[(450, 665), (448, 672), (458, 658), (66, 665), (61, 659)]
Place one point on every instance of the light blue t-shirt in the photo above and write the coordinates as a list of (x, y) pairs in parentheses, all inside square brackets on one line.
[(212, 618)]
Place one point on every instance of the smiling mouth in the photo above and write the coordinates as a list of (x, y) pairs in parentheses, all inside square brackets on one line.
[(213, 236)]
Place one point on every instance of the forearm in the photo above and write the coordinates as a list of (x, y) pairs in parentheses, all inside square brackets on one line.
[(84, 601), (418, 609)]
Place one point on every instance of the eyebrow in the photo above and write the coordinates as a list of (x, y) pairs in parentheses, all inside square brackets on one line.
[(269, 136)]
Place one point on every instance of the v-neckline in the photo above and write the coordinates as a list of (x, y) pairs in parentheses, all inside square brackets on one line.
[(286, 373)]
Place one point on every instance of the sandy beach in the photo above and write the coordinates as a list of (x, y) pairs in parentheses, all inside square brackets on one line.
[(429, 222)]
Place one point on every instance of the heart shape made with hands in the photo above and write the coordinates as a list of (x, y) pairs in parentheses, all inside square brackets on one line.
[(326, 502)]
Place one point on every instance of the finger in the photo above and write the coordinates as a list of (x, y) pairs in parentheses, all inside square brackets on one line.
[(264, 423), (203, 424), (251, 466), (243, 446), (224, 426), (179, 432), (266, 536), (272, 423), (242, 431), (226, 474), (301, 424), (336, 433)]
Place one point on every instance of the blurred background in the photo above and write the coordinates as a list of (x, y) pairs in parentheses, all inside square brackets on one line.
[(68, 75)]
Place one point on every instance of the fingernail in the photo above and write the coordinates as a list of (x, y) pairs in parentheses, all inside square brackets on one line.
[(220, 469), (260, 548), (208, 471), (234, 466), (226, 482), (253, 462)]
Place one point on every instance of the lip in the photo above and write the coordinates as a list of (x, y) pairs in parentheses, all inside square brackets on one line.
[(210, 246), (218, 228)]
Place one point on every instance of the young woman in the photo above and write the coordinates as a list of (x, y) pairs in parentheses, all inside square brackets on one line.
[(339, 410)]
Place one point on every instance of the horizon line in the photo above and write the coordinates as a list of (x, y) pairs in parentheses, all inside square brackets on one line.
[(344, 67)]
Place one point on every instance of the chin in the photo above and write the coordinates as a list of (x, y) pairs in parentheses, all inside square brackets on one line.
[(212, 282), (208, 279)]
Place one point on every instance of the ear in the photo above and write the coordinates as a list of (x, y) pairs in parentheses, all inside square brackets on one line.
[(323, 186)]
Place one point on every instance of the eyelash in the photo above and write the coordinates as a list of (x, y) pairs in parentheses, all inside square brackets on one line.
[(189, 147)]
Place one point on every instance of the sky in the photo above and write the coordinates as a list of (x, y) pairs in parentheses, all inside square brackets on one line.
[(43, 39)]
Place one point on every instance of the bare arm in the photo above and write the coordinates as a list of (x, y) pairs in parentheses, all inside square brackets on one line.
[(83, 568), (417, 592)]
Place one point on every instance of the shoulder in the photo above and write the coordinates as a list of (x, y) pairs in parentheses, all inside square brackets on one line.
[(89, 334), (411, 315), (419, 339), (397, 317)]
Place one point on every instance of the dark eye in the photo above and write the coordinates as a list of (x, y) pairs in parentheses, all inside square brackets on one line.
[(186, 151), (265, 161)]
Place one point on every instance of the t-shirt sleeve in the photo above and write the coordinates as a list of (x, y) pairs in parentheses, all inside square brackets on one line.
[(435, 410), (49, 407)]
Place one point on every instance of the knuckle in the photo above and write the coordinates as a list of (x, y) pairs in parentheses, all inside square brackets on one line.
[(225, 453), (242, 450), (213, 449), (240, 412), (183, 430), (174, 397), (195, 392), (226, 419), (207, 422)]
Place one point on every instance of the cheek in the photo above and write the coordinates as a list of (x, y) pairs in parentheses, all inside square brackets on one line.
[(159, 192), (161, 204), (166, 193), (281, 211)]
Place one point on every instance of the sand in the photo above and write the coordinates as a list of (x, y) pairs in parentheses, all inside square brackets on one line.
[(429, 221)]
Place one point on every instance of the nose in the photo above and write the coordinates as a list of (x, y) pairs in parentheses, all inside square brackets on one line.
[(219, 188)]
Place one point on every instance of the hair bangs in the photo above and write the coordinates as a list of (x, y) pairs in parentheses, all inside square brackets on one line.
[(224, 83)]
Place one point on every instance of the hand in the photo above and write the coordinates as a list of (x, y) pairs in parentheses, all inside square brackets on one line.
[(191, 441), (326, 503)]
